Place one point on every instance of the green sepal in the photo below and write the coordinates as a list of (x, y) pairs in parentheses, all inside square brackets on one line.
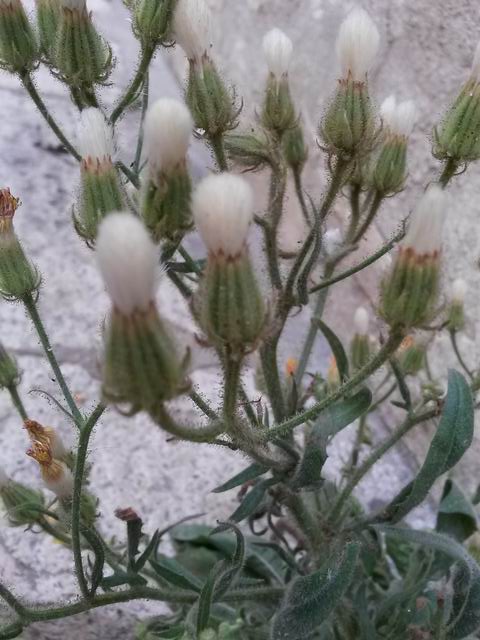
[(250, 151), (456, 316), (24, 506), (278, 113), (458, 136), (390, 171), (48, 16), (9, 374), (294, 148), (360, 351), (18, 278), (166, 206), (152, 19), (18, 45)]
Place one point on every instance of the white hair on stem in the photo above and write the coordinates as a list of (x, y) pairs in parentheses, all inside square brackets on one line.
[(357, 44)]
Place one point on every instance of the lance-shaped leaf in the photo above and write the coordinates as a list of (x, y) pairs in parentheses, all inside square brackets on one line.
[(252, 500), (250, 473), (311, 599), (337, 349), (452, 439), (456, 516)]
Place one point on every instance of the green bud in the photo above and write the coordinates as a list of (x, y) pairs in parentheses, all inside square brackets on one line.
[(359, 351), (18, 278), (411, 356), (294, 148), (249, 151), (210, 102), (278, 113), (82, 57), (151, 20), (48, 16), (390, 170), (348, 126), (166, 205), (23, 505), (18, 45), (456, 310), (9, 374)]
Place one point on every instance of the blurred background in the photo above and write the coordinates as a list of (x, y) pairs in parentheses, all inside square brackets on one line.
[(426, 53)]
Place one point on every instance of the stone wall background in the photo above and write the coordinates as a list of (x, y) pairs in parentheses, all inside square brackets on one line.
[(426, 52)]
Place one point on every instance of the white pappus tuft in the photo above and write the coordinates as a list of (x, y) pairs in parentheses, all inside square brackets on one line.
[(459, 290), (59, 479), (277, 48), (223, 210), (424, 235), (399, 119), (94, 136), (168, 129), (128, 261), (192, 28), (357, 44), (476, 64), (361, 320)]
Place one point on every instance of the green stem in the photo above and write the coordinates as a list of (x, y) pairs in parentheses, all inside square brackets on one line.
[(375, 456), (17, 402), (129, 174), (453, 340), (233, 367), (32, 310), (186, 432), (138, 152), (12, 601), (390, 346), (78, 476), (135, 84), (268, 355), (355, 190), (375, 206), (27, 82), (297, 178), (203, 405), (218, 147), (270, 229), (52, 531)]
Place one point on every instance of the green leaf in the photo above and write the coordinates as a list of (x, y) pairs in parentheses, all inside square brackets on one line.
[(452, 439), (456, 516), (174, 573), (252, 500), (465, 617), (311, 599), (250, 473), (331, 421), (336, 347), (150, 548)]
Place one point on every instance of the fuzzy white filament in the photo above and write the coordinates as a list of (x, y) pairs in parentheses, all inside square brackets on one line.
[(277, 48), (399, 119), (223, 210), (61, 483), (459, 290), (168, 129), (424, 235), (357, 44), (128, 262), (476, 64), (192, 28), (361, 321), (94, 135)]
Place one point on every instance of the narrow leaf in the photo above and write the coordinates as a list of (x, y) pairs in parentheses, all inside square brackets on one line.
[(252, 500), (250, 473), (311, 599), (336, 347), (152, 545), (173, 572)]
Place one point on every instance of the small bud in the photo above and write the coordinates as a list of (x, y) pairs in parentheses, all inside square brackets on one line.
[(349, 123), (458, 136), (249, 151), (9, 374), (23, 505), (360, 346), (167, 190), (141, 366), (231, 307), (76, 36), (278, 110), (410, 291), (411, 356), (18, 45), (390, 170), (294, 148), (101, 191), (48, 437), (456, 311), (48, 17), (17, 276), (56, 476), (152, 21)]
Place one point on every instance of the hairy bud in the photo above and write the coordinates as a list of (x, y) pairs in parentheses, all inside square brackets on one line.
[(278, 110), (360, 346), (18, 46), (9, 374), (456, 311), (23, 505), (152, 20)]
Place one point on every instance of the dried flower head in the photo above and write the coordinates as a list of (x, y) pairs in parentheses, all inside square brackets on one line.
[(55, 474), (8, 206)]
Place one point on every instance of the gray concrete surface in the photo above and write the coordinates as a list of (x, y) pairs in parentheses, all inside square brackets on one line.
[(426, 52)]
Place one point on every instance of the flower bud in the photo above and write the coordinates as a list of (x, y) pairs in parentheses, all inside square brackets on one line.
[(18, 278), (23, 505), (152, 20), (141, 367), (167, 190), (278, 110), (56, 476), (48, 17), (9, 374), (249, 151), (294, 148), (349, 123), (390, 169), (208, 99), (18, 45), (456, 312), (100, 190), (410, 290), (82, 57), (411, 356), (458, 136), (360, 346), (231, 308)]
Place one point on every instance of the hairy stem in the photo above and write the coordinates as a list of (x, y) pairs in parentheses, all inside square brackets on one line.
[(374, 207), (17, 402), (453, 340), (218, 147), (233, 366), (268, 355), (135, 84), (186, 432)]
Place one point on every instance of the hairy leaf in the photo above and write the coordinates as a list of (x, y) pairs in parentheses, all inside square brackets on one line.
[(250, 473), (337, 349), (456, 516), (252, 500), (174, 573)]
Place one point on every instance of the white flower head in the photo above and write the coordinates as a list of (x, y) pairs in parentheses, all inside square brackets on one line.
[(168, 130), (357, 44), (424, 235), (223, 210), (476, 64), (361, 321), (399, 119), (192, 28), (94, 136), (128, 261), (459, 290), (277, 48)]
